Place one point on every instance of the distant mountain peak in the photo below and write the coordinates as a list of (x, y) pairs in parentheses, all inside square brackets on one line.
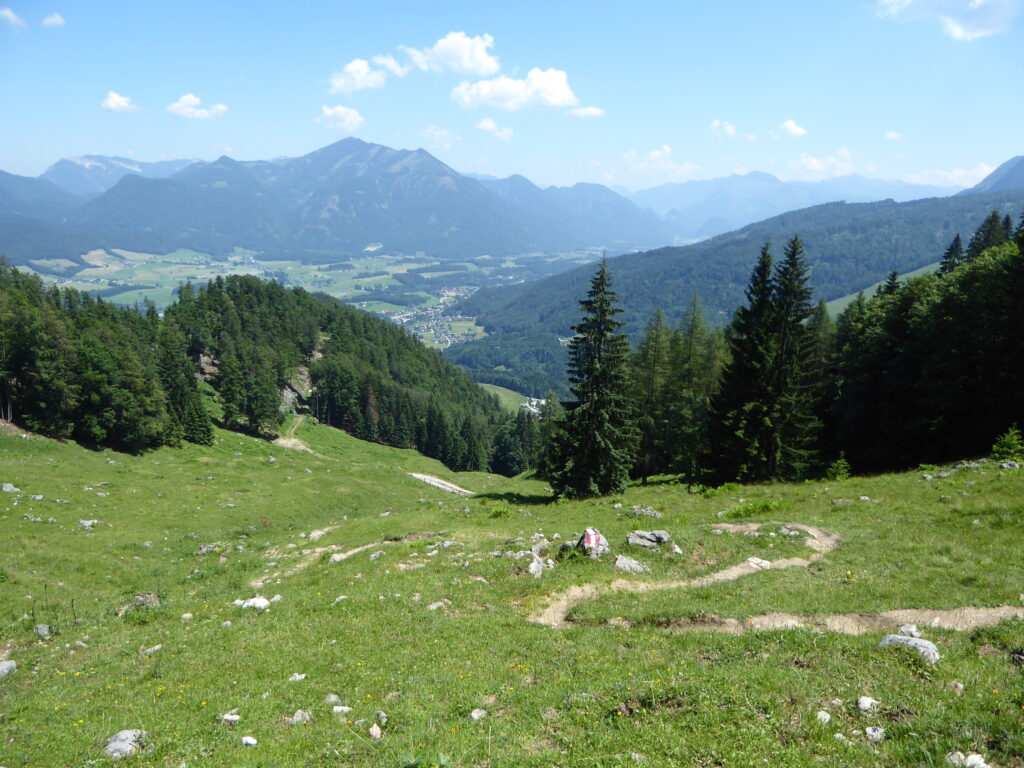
[(1009, 175)]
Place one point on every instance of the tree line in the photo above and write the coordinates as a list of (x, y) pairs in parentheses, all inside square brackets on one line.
[(74, 366), (922, 371)]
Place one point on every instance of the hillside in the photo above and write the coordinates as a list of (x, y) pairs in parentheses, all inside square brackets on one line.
[(849, 247), (1009, 175), (94, 174), (381, 577)]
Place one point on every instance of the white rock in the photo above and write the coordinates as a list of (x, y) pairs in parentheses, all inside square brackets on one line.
[(88, 524), (824, 717), (186, 617), (477, 714), (759, 564), (874, 734), (276, 599), (256, 603), (382, 717), (300, 717), (536, 567), (231, 717), (925, 648), (866, 703), (248, 741), (42, 630), (341, 709), (375, 731), (909, 630), (125, 743), (972, 760), (340, 598), (7, 668), (332, 698), (296, 678), (841, 738), (8, 488), (629, 565), (226, 624), (153, 650), (435, 606)]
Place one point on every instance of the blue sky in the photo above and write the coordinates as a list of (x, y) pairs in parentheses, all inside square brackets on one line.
[(634, 94)]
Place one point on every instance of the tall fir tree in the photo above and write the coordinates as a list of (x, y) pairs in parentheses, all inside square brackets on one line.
[(953, 257), (597, 446), (990, 234), (649, 383), (549, 436)]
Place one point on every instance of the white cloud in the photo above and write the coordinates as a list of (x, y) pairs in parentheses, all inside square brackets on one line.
[(54, 20), (388, 62), (9, 16), (839, 163), (115, 102), (660, 163), (439, 138), (956, 177), (340, 118), (723, 128), (356, 76), (893, 135), (188, 106), (488, 125), (587, 112), (456, 52), (540, 88), (792, 128), (964, 20), (750, 137)]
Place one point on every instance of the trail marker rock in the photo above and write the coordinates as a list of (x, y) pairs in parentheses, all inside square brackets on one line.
[(593, 543)]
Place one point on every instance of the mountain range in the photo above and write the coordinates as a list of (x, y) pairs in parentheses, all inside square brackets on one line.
[(337, 200)]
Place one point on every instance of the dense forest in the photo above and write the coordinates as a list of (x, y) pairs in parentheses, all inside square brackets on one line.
[(922, 371), (74, 366), (848, 246)]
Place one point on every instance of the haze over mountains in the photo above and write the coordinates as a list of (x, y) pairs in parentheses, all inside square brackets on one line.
[(340, 199)]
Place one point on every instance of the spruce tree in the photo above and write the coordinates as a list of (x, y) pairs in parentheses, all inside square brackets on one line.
[(953, 257), (549, 435), (890, 286), (989, 235), (596, 449), (650, 379)]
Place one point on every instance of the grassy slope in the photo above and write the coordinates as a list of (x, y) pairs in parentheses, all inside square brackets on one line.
[(551, 694), (509, 399)]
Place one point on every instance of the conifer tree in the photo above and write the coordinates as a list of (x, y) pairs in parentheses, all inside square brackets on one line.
[(650, 380), (1019, 234), (988, 235), (549, 435), (596, 449), (953, 257), (890, 286)]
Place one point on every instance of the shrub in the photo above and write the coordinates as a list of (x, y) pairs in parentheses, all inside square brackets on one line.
[(838, 469), (1008, 446)]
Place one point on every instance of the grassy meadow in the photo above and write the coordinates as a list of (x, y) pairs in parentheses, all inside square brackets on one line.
[(621, 685)]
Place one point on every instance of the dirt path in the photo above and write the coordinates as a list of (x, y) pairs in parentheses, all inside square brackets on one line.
[(818, 539), (444, 485), (310, 556), (959, 619), (289, 440)]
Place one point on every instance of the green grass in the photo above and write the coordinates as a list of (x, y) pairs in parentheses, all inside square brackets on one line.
[(836, 306), (551, 695), (509, 398)]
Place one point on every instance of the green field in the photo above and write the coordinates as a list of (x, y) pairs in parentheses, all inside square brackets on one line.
[(624, 680), (836, 306), (509, 399)]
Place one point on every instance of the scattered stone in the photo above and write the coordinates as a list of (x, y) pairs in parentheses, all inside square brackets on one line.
[(215, 546), (536, 567), (257, 603), (296, 678), (646, 511), (248, 741), (477, 714), (88, 524), (866, 703), (231, 717), (332, 698), (153, 650), (841, 738), (759, 564), (377, 554), (300, 717), (8, 667), (382, 717), (925, 648), (629, 565), (437, 605), (909, 630), (42, 630), (824, 717), (593, 543), (141, 600), (375, 731), (276, 599), (341, 709), (956, 687), (1004, 465), (186, 617), (838, 502), (271, 460), (972, 760), (226, 624), (648, 538), (8, 488), (340, 598), (36, 497), (125, 743), (874, 734)]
